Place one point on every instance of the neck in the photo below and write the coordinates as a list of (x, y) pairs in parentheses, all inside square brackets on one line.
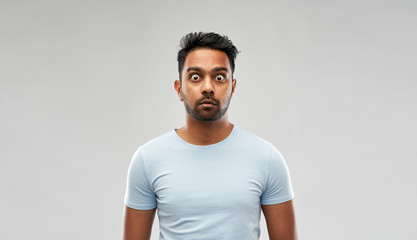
[(205, 133)]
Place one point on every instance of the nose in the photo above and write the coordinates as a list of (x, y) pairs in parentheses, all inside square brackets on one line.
[(207, 86)]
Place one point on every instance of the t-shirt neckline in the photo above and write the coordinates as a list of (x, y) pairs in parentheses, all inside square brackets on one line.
[(206, 147)]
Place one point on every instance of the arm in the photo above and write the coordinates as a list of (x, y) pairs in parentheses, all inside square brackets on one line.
[(138, 224), (280, 220)]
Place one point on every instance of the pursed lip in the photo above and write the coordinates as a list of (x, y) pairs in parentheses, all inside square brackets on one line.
[(208, 101)]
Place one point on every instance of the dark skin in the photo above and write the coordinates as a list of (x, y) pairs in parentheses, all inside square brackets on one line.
[(207, 64), (208, 71), (280, 220), (138, 224)]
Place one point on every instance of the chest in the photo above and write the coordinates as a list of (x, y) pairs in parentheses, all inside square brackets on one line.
[(200, 185)]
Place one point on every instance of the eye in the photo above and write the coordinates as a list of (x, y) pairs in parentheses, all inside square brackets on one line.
[(195, 77), (220, 78)]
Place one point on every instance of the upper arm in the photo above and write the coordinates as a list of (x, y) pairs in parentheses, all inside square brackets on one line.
[(280, 220), (278, 183), (139, 195), (138, 224)]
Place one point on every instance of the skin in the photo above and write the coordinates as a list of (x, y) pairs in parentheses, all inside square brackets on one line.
[(138, 224), (207, 74), (280, 220), (207, 64)]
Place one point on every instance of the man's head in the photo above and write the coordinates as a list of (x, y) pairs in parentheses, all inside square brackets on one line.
[(193, 41), (206, 65)]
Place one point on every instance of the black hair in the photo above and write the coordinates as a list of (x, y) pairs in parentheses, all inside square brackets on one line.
[(193, 41)]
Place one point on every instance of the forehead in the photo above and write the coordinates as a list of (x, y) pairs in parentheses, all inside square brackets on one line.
[(207, 59)]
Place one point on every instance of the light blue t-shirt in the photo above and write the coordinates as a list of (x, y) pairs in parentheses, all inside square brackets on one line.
[(208, 192)]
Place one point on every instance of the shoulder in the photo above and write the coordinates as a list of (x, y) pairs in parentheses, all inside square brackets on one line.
[(255, 147), (250, 139), (157, 145)]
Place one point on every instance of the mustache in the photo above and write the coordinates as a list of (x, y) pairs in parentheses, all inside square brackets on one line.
[(208, 97)]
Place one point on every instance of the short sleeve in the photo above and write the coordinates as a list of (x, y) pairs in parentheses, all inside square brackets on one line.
[(278, 183), (139, 194)]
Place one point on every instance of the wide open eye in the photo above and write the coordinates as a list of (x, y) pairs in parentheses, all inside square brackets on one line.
[(195, 77), (220, 78)]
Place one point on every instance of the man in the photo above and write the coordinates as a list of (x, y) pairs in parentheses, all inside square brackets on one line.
[(209, 179)]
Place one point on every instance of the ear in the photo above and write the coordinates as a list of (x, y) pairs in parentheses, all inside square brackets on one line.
[(233, 85), (177, 87)]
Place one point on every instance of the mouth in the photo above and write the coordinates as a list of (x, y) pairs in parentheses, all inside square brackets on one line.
[(207, 102)]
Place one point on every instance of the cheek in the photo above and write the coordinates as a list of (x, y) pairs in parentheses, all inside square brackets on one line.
[(191, 92), (188, 95), (226, 92)]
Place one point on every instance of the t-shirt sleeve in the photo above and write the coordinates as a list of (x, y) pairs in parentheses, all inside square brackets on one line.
[(278, 183), (139, 194)]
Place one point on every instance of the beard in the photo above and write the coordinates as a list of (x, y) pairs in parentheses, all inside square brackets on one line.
[(208, 114)]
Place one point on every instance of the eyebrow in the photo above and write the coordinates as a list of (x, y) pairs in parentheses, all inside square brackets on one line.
[(194, 69), (218, 69)]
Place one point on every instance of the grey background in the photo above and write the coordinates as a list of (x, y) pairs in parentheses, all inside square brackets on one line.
[(330, 83)]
